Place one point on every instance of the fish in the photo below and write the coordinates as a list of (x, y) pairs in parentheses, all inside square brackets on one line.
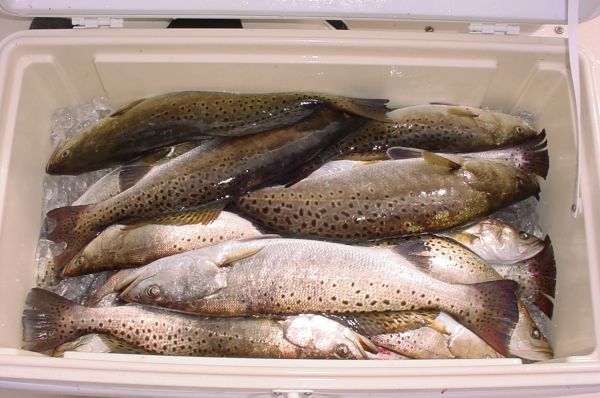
[(125, 246), (151, 123), (445, 128), (382, 199), (425, 334), (530, 156), (496, 242), (447, 261), (54, 320), (271, 275), (197, 184), (536, 277), (109, 185)]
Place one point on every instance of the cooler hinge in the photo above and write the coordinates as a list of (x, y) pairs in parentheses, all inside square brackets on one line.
[(96, 22), (494, 28)]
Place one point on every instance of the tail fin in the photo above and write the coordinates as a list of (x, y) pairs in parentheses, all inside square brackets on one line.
[(535, 155), (497, 315), (375, 109), (65, 225), (542, 271), (47, 324)]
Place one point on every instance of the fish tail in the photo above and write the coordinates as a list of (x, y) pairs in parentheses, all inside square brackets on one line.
[(542, 269), (47, 324), (375, 109), (65, 225), (535, 155), (495, 312)]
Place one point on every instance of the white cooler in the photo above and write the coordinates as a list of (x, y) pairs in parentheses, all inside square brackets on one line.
[(515, 65)]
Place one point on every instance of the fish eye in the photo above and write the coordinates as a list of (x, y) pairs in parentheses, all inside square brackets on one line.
[(524, 235), (152, 291), (536, 334), (81, 261), (66, 153), (342, 351), (519, 129)]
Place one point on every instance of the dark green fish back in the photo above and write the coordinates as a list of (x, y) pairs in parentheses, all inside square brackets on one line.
[(156, 122)]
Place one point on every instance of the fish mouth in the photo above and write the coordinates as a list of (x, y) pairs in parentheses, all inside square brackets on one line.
[(533, 249), (365, 346), (130, 281), (538, 354)]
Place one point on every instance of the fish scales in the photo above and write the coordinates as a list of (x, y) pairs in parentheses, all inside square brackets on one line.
[(450, 262), (121, 246), (214, 171), (433, 128), (54, 320), (385, 199), (288, 276), (168, 119)]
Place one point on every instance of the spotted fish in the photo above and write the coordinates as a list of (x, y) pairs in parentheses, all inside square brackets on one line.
[(452, 263), (156, 122), (434, 128), (194, 184), (122, 246), (383, 199), (419, 334), (288, 276), (54, 320)]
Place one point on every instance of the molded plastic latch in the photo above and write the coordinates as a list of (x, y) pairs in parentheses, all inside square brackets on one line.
[(494, 28), (96, 22), (292, 393)]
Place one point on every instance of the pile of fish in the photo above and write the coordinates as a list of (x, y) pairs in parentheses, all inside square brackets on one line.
[(384, 248)]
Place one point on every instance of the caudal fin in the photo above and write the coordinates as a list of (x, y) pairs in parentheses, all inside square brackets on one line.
[(47, 324), (542, 271), (65, 226), (375, 109), (534, 155), (491, 312)]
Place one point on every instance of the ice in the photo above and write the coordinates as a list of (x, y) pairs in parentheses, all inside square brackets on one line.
[(527, 118), (59, 191), (523, 215), (78, 288), (66, 122)]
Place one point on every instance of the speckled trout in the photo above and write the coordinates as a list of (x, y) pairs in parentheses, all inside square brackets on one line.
[(125, 246), (54, 320), (290, 276), (205, 176), (450, 262), (164, 120), (375, 200), (445, 128)]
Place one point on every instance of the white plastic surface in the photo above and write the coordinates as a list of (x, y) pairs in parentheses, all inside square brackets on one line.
[(41, 71), (531, 11)]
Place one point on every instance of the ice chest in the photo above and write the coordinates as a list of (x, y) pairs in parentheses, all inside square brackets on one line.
[(41, 71)]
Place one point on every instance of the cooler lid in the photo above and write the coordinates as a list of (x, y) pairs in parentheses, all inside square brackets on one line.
[(524, 11)]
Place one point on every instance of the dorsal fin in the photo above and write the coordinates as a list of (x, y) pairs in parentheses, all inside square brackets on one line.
[(377, 323), (461, 111), (439, 160), (126, 108), (131, 174), (204, 215)]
